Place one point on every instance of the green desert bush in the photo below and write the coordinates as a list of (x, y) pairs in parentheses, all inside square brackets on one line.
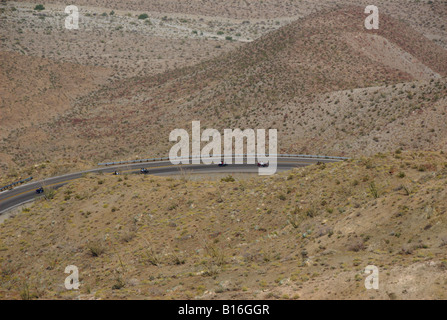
[(228, 179)]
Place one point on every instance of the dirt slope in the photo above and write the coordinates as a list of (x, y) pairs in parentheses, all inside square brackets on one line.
[(34, 89)]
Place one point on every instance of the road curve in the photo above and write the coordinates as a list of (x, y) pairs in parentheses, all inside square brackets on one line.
[(25, 193)]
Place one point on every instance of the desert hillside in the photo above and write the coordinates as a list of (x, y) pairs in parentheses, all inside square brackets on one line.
[(304, 234), (425, 16), (134, 70), (34, 88), (324, 82)]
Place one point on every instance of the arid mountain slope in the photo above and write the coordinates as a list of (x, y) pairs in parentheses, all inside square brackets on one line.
[(306, 234), (425, 16), (119, 41), (35, 89), (270, 83), (32, 91)]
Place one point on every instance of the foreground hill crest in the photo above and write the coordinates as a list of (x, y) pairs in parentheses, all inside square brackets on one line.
[(308, 233)]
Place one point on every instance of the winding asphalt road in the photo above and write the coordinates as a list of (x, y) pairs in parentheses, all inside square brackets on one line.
[(12, 198)]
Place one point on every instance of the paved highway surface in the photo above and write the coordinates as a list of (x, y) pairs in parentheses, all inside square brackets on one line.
[(25, 193)]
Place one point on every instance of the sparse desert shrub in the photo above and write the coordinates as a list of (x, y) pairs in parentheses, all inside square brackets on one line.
[(216, 254), (49, 193), (96, 248), (24, 294), (357, 245), (213, 271), (311, 212), (143, 16), (407, 190), (228, 179), (177, 259), (392, 296), (128, 236), (119, 283), (368, 164), (407, 249), (374, 190), (294, 218), (422, 168), (152, 257), (39, 7), (322, 231)]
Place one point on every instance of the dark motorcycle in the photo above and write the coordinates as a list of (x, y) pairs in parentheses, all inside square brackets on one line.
[(263, 165)]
